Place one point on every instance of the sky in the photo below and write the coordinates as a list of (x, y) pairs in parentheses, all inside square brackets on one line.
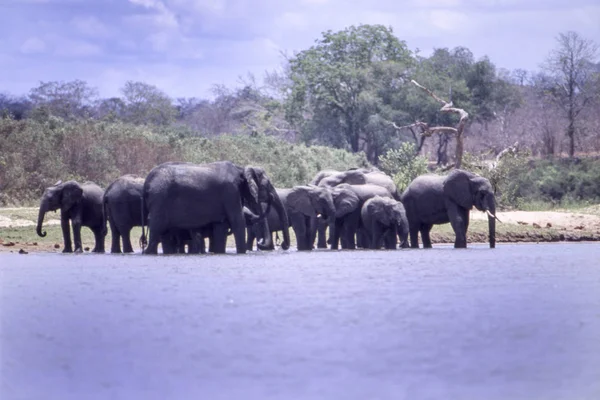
[(185, 47)]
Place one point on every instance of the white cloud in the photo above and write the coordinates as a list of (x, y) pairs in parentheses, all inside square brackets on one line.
[(436, 3), (292, 20), (90, 26), (448, 20), (33, 45), (163, 18), (77, 48)]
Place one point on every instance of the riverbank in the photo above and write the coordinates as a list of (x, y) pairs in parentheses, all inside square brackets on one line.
[(17, 229)]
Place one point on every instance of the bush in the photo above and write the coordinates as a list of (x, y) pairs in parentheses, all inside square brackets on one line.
[(403, 165), (34, 154)]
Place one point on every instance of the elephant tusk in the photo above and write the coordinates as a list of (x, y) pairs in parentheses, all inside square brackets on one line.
[(492, 215)]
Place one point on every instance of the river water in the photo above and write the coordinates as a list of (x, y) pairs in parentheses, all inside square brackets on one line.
[(516, 322)]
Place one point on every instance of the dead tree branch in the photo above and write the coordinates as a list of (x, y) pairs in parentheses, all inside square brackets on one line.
[(447, 107)]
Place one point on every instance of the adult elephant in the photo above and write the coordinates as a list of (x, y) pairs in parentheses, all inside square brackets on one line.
[(431, 199), (190, 196), (354, 176), (79, 204), (347, 224), (382, 219), (306, 204), (122, 208)]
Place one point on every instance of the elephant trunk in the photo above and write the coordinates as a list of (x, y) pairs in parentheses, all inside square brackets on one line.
[(283, 218), (492, 223), (266, 242), (41, 215)]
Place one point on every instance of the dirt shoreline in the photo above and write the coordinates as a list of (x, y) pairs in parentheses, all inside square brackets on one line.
[(17, 229)]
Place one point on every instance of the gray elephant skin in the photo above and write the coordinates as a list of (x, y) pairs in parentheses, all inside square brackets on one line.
[(256, 230), (191, 197), (382, 219), (354, 176), (348, 224), (81, 205), (122, 209), (433, 199)]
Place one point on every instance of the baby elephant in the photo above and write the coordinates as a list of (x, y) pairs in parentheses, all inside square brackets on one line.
[(382, 219)]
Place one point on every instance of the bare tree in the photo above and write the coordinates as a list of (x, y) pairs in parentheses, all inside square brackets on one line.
[(574, 81), (447, 107)]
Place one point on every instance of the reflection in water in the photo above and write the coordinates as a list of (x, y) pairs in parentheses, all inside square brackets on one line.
[(518, 322)]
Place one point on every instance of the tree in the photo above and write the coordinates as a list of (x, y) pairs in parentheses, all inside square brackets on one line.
[(335, 97), (146, 104), (14, 107), (574, 81), (69, 100)]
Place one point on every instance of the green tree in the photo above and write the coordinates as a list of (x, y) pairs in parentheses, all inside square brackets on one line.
[(146, 104), (335, 97), (68, 100)]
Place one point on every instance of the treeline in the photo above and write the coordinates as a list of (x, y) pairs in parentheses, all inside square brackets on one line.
[(350, 91)]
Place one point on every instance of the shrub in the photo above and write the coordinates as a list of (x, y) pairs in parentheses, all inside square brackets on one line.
[(403, 165), (35, 153)]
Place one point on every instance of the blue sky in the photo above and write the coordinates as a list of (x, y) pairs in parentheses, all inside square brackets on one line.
[(186, 46)]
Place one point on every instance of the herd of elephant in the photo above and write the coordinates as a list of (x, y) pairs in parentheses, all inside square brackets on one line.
[(183, 204)]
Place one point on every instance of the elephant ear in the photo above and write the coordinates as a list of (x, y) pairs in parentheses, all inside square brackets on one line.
[(345, 201), (457, 187), (250, 176), (71, 195), (299, 200)]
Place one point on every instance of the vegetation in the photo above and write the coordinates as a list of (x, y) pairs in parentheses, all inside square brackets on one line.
[(347, 101)]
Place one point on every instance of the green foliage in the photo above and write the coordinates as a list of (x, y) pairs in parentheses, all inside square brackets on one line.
[(521, 182), (35, 154), (403, 165), (338, 87)]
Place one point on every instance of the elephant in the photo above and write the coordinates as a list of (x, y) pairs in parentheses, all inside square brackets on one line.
[(305, 204), (348, 224), (122, 208), (431, 199), (354, 176), (382, 219), (82, 205), (255, 230), (191, 196)]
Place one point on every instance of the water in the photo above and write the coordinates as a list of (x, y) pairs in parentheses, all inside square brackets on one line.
[(517, 322)]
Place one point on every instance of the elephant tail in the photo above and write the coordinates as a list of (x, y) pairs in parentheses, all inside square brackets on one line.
[(143, 240), (104, 215)]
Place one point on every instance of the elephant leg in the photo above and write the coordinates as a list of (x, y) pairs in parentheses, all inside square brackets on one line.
[(158, 234), (126, 235), (376, 236), (390, 242), (300, 230), (459, 219), (413, 232), (252, 235), (99, 239), (218, 238), (336, 232), (238, 227), (169, 242), (76, 224), (115, 238), (425, 229), (66, 231), (321, 234), (351, 223)]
